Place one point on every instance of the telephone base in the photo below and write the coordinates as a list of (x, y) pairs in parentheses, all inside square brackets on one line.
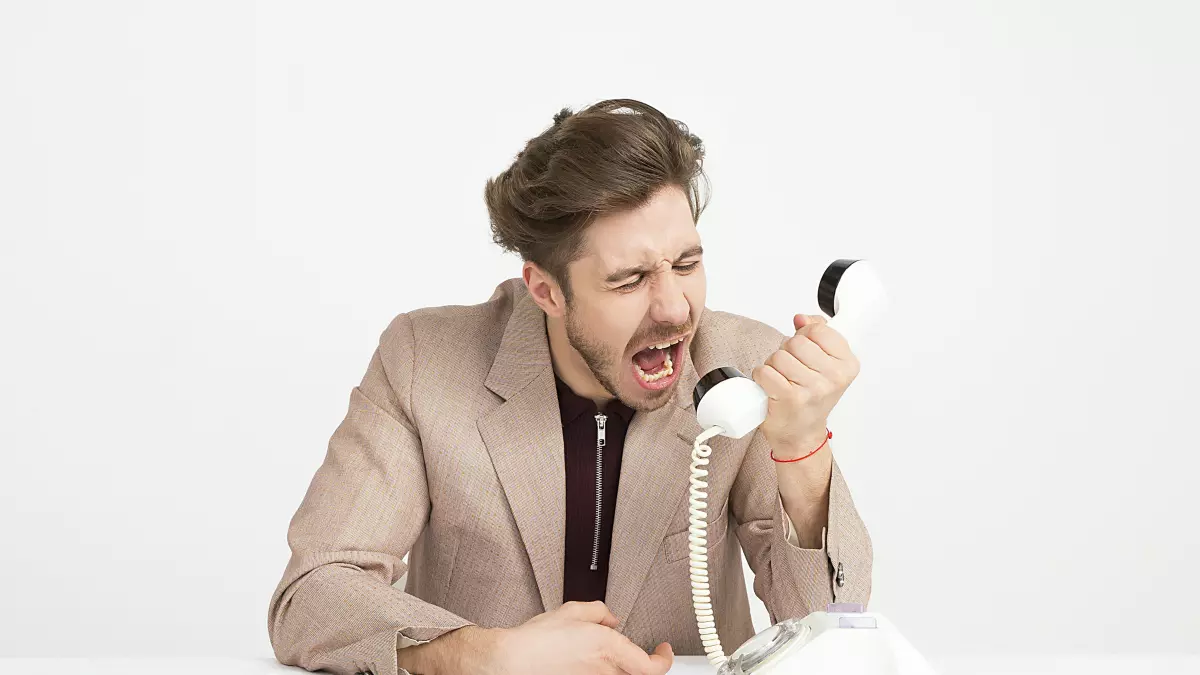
[(843, 639)]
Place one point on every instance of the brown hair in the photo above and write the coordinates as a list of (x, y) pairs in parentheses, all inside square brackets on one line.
[(608, 158)]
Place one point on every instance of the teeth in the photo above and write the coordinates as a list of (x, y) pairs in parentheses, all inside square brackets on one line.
[(666, 371)]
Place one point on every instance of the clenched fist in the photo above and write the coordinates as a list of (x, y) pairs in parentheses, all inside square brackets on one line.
[(804, 379)]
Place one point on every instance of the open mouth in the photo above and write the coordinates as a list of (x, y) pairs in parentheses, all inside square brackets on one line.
[(658, 365)]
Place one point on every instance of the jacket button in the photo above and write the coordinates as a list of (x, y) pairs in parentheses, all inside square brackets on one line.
[(841, 576)]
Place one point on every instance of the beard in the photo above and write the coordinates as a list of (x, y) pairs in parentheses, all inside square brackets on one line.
[(607, 365)]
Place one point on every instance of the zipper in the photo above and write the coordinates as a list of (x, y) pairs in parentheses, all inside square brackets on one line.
[(601, 418)]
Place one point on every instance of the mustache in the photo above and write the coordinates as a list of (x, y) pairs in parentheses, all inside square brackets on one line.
[(663, 336)]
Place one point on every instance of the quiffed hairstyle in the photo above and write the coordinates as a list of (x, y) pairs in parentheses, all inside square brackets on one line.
[(610, 157)]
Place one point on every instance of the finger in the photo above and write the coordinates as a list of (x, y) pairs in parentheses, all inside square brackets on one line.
[(775, 384), (662, 658), (591, 612), (786, 364), (802, 320), (829, 340), (809, 353), (630, 658), (609, 619)]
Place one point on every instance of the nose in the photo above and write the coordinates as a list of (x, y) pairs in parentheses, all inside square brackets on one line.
[(668, 304)]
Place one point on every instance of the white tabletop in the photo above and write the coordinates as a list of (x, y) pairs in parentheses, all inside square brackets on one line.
[(1142, 664)]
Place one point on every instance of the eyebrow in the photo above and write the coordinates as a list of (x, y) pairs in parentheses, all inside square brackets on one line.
[(626, 272)]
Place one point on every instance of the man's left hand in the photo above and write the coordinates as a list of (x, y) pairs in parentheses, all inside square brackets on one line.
[(804, 379)]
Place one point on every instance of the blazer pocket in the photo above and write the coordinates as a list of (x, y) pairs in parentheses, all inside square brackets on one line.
[(675, 545)]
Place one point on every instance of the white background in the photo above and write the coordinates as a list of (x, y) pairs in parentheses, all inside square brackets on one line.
[(210, 211)]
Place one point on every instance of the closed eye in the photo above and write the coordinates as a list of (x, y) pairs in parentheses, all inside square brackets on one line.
[(638, 282), (632, 285)]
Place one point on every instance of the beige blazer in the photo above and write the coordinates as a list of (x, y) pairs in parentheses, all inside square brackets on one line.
[(451, 450)]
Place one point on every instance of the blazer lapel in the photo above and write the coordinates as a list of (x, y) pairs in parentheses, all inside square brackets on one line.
[(655, 473), (524, 438)]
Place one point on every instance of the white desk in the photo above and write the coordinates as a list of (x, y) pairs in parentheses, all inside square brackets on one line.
[(1141, 664)]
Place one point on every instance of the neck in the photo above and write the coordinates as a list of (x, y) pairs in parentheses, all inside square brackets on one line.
[(570, 366)]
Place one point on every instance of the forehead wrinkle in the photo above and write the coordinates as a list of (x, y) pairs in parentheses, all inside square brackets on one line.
[(648, 267)]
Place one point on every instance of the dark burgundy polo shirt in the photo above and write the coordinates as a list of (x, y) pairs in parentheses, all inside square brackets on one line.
[(580, 431)]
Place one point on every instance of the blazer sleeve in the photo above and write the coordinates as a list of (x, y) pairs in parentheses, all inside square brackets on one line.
[(794, 581), (335, 607)]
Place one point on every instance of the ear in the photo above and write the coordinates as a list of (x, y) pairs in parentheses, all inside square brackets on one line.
[(545, 290)]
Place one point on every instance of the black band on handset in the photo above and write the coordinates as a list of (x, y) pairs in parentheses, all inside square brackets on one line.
[(827, 288), (712, 379)]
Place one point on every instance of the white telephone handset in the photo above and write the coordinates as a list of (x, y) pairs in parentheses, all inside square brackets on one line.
[(844, 638)]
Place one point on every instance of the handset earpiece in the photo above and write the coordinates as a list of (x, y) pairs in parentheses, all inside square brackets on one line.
[(850, 292)]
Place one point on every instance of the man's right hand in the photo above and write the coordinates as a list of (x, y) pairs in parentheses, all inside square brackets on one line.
[(575, 639)]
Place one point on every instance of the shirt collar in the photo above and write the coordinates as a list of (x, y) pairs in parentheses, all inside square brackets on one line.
[(572, 405)]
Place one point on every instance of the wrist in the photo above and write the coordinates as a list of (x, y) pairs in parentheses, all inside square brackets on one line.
[(451, 653), (805, 444)]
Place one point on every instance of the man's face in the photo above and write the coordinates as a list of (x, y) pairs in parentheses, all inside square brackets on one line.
[(640, 283)]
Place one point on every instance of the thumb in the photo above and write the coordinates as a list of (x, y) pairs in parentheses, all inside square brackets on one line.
[(802, 320), (591, 612), (663, 657)]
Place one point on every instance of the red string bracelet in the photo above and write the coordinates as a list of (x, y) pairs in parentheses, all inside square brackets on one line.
[(828, 435)]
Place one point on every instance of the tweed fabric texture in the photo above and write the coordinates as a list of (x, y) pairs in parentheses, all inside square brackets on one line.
[(451, 451)]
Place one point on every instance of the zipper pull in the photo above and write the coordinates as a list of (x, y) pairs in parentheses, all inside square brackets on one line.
[(601, 418)]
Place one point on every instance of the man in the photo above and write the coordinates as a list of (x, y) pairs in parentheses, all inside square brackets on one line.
[(532, 453)]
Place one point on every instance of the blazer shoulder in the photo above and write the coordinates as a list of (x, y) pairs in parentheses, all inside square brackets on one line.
[(739, 340), (443, 328)]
